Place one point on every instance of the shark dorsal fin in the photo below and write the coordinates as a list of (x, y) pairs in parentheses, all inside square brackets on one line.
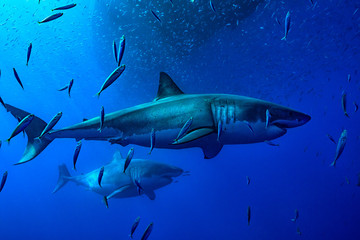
[(167, 87)]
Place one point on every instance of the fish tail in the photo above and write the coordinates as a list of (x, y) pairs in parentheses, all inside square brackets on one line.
[(284, 38), (97, 95), (8, 141), (347, 115), (64, 177)]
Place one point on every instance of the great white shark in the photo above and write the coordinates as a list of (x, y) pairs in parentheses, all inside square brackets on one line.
[(242, 120), (141, 177)]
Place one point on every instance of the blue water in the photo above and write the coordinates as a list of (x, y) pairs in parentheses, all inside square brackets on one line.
[(308, 72)]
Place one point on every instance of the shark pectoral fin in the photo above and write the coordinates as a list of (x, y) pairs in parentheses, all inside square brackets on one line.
[(193, 135), (118, 191), (211, 150), (150, 194)]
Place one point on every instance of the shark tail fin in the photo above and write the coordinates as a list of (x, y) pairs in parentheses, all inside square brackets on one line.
[(64, 177), (34, 146)]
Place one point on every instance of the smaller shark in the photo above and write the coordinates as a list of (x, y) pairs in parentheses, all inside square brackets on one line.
[(141, 177)]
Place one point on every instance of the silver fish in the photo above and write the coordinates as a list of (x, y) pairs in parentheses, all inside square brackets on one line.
[(219, 128), (340, 146), (3, 180), (128, 158), (65, 7), (296, 216), (51, 124), (247, 180), (152, 140), (248, 215), (268, 118), (344, 103), (212, 7), (121, 49), (70, 86), (102, 118), (28, 54), (331, 138), (112, 77), (349, 77), (76, 153), (100, 176), (18, 78), (51, 18), (134, 226), (147, 231), (184, 129), (106, 202), (156, 16), (287, 25), (21, 126)]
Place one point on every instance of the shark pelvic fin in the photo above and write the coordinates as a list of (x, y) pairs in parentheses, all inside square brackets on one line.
[(167, 87), (193, 135), (150, 194), (211, 150)]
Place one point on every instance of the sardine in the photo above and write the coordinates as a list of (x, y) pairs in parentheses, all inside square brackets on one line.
[(51, 18), (106, 202), (102, 118), (331, 138), (65, 7), (18, 78), (184, 129), (138, 186), (287, 25), (147, 231), (3, 180), (28, 54), (340, 146), (76, 153), (152, 140), (268, 118), (156, 16), (248, 215), (219, 130), (349, 77), (121, 49), (296, 216), (247, 180), (343, 104), (21, 126), (63, 88), (128, 158), (51, 124), (134, 226), (101, 173), (113, 76), (70, 86), (212, 7)]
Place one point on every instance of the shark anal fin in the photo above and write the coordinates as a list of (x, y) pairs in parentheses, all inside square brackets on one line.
[(118, 191), (150, 194), (211, 150), (193, 135), (167, 87)]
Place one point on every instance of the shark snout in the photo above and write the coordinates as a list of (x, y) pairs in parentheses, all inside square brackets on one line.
[(288, 118)]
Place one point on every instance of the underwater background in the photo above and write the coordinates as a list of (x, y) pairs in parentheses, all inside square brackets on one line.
[(234, 54)]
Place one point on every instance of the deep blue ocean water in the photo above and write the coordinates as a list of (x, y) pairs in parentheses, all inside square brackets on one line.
[(308, 72)]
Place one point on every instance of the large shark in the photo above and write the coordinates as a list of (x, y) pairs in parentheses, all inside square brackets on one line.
[(141, 177), (217, 119)]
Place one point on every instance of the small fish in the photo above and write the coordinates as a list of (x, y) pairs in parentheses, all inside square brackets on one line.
[(17, 78), (156, 16), (138, 186), (128, 158), (147, 231), (121, 49), (249, 126), (51, 18), (0, 143), (356, 107), (63, 88), (343, 104), (51, 124), (28, 54), (349, 77), (152, 140), (184, 129), (219, 128), (278, 21), (102, 118), (296, 216), (340, 146), (298, 231), (134, 226), (212, 7), (76, 153), (287, 25), (247, 180), (248, 215), (271, 143), (268, 118), (100, 176), (172, 3), (331, 138), (106, 202), (2, 102), (113, 76), (21, 126), (3, 180), (115, 51), (70, 86), (65, 7)]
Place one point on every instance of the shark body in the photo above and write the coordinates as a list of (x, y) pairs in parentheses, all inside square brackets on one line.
[(217, 120)]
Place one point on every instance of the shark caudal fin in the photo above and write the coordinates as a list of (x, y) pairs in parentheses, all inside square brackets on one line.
[(34, 146), (64, 177)]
